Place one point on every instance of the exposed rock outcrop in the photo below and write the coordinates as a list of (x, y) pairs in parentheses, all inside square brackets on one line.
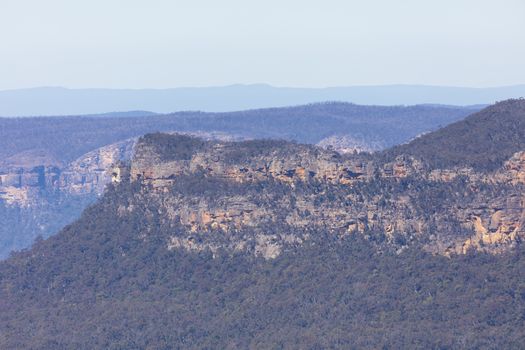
[(350, 144), (341, 195), (89, 174), (38, 196)]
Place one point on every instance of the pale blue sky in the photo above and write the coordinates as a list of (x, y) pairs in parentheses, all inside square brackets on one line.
[(303, 43)]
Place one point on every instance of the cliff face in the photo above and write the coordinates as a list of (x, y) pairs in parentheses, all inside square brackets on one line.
[(213, 193), (396, 202), (24, 185), (238, 162), (38, 196), (92, 172)]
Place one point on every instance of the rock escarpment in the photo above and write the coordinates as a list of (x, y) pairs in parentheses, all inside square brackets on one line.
[(39, 195), (263, 196), (22, 184)]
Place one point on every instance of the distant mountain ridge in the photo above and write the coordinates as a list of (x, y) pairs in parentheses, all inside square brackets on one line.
[(62, 101), (67, 138)]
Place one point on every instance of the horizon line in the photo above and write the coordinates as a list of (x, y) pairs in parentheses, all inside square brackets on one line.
[(267, 85)]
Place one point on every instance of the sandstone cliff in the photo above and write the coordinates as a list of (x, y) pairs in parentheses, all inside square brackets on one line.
[(22, 185), (38, 195), (282, 192)]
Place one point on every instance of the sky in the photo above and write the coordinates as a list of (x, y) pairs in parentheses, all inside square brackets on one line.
[(295, 43)]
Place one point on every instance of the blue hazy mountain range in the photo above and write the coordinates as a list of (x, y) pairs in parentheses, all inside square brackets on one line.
[(63, 101)]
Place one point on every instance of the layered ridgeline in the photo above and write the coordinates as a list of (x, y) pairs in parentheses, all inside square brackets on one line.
[(64, 139), (272, 244), (51, 168), (211, 192)]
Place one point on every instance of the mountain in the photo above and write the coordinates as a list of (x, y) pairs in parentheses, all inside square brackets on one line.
[(483, 141), (274, 244), (62, 101), (51, 168), (276, 188)]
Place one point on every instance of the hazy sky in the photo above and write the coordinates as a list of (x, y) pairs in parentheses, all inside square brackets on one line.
[(173, 43)]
